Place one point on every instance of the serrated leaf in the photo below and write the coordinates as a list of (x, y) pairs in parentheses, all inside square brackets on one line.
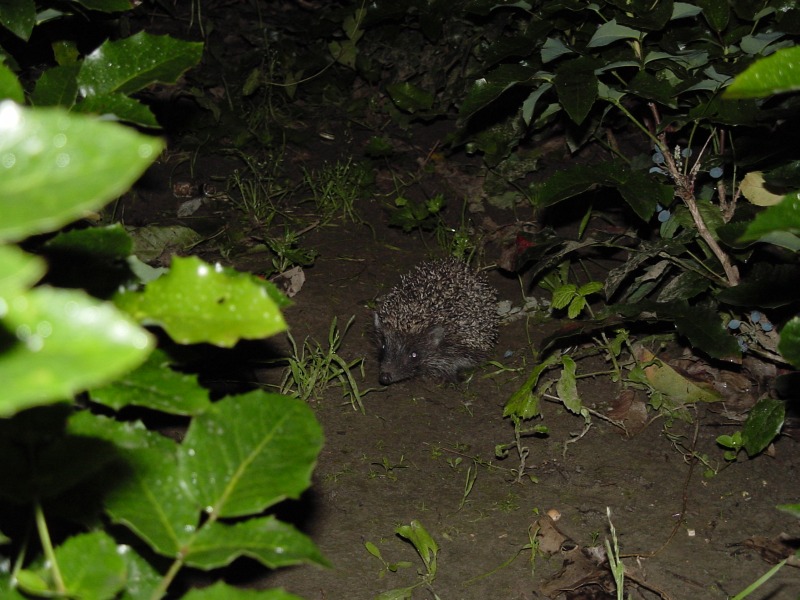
[(246, 453), (575, 307), (196, 302), (523, 403), (774, 74), (59, 166), (222, 591), (267, 540), (18, 17), (120, 106), (91, 566), (64, 342), (589, 288), (18, 272), (763, 424), (563, 295), (109, 243), (610, 32), (789, 345), (57, 86), (156, 386), (131, 64), (566, 386)]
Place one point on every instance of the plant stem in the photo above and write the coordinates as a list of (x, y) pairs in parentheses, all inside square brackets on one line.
[(47, 547)]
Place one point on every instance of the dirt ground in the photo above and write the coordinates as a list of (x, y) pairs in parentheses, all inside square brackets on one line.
[(413, 453)]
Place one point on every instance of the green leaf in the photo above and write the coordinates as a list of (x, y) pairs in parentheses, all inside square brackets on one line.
[(121, 106), (784, 216), (196, 302), (426, 546), (133, 63), (523, 403), (18, 17), (64, 342), (774, 74), (58, 166), (563, 295), (223, 591), (789, 345), (766, 286), (487, 89), (763, 424), (576, 85), (106, 5), (409, 97), (792, 509), (57, 86), (91, 566), (246, 453), (110, 243), (267, 540), (716, 12), (10, 87), (704, 330), (566, 387), (156, 386), (18, 272), (553, 48), (143, 579), (610, 32)]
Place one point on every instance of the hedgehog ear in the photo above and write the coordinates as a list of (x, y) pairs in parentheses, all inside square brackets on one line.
[(436, 334)]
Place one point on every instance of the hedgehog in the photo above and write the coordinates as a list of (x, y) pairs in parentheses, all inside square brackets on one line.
[(438, 322)]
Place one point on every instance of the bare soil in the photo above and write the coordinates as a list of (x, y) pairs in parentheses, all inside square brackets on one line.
[(410, 456)]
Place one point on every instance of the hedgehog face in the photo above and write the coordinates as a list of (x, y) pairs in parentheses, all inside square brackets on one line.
[(403, 355)]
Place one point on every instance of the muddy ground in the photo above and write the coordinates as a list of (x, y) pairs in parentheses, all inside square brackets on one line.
[(412, 453)]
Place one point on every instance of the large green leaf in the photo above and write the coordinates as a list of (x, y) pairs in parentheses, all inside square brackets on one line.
[(576, 85), (57, 166), (10, 87), (774, 74), (267, 540), (63, 342), (57, 86), (106, 5), (765, 285), (18, 17), (784, 216), (610, 32), (249, 452), (148, 495), (18, 272), (121, 106), (156, 386), (763, 424), (130, 64), (486, 90), (197, 302)]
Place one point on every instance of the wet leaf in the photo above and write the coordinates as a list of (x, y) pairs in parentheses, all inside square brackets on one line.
[(62, 165), (246, 453), (774, 74), (196, 302), (133, 63), (267, 540), (109, 243), (763, 424), (121, 106), (57, 86), (91, 566), (64, 342), (18, 17), (156, 386)]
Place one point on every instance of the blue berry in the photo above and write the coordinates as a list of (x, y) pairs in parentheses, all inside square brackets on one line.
[(755, 316), (657, 170), (664, 216), (686, 152), (658, 158), (716, 172), (734, 324), (767, 326)]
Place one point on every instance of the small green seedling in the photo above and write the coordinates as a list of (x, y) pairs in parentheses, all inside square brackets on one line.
[(428, 550)]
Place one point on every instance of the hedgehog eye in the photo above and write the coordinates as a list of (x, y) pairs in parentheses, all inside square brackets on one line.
[(412, 355)]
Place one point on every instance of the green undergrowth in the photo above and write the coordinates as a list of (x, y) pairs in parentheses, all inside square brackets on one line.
[(95, 504)]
